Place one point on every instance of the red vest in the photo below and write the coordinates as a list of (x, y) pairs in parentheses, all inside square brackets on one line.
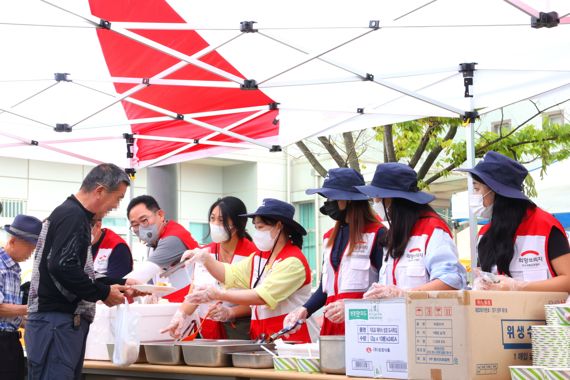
[(409, 271), (174, 229), (108, 244), (268, 321), (353, 277), (530, 260), (213, 329)]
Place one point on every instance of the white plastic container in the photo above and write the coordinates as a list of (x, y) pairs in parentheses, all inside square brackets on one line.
[(153, 318)]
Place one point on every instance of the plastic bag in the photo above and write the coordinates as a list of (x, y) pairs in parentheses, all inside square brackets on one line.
[(127, 342)]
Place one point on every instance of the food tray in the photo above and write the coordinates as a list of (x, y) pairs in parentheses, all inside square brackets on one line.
[(163, 353), (214, 353), (254, 359)]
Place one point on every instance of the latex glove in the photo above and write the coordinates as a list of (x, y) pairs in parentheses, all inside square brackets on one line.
[(203, 295), (383, 291), (177, 323), (501, 283), (334, 311), (221, 313), (299, 314), (196, 255)]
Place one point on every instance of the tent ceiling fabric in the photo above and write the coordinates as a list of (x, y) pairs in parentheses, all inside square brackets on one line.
[(169, 72)]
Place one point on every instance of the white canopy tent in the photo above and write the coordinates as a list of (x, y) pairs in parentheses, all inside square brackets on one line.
[(109, 70)]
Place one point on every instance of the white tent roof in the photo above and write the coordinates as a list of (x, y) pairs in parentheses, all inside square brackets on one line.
[(320, 60)]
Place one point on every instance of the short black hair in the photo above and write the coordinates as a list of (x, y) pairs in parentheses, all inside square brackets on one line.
[(147, 200)]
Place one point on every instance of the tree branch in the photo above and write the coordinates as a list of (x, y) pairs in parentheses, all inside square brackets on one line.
[(389, 152), (312, 159), (421, 146), (351, 151), (432, 156), (332, 151), (484, 147)]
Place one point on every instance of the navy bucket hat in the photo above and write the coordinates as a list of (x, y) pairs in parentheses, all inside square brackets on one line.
[(279, 210), (339, 185), (395, 180), (502, 174), (25, 227)]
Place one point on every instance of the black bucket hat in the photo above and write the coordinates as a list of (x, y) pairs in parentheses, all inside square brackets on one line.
[(279, 210), (339, 185), (25, 227), (395, 180), (502, 174)]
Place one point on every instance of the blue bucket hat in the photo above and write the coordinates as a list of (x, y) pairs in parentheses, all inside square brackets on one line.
[(502, 174), (339, 185), (25, 227), (279, 210), (395, 180)]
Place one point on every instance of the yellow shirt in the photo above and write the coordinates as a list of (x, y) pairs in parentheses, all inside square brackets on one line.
[(283, 279)]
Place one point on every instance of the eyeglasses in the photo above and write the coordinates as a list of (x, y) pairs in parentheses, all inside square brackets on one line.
[(143, 221)]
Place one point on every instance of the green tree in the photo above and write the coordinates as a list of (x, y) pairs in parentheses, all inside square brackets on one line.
[(432, 148)]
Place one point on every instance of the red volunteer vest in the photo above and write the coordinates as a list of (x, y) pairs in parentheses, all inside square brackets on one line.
[(530, 260), (267, 321), (353, 277), (213, 329), (174, 229), (409, 270)]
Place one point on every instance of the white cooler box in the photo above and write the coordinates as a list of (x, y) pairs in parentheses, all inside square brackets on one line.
[(153, 318)]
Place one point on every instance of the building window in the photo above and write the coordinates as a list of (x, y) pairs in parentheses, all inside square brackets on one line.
[(117, 224), (554, 117), (307, 220), (199, 232), (12, 207), (499, 127)]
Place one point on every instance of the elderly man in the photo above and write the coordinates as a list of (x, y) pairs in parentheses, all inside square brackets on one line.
[(63, 292), (23, 235)]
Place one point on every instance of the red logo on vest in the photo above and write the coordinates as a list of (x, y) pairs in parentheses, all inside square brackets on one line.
[(530, 252)]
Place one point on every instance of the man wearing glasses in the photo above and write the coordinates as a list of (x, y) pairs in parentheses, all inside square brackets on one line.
[(167, 239)]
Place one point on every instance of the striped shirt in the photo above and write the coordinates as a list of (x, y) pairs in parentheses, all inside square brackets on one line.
[(9, 289)]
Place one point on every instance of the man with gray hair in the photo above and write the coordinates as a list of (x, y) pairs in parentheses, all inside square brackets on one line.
[(63, 292)]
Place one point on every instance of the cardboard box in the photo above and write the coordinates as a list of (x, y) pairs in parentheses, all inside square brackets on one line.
[(376, 338), (443, 335)]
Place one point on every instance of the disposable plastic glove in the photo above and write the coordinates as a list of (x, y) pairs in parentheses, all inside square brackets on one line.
[(299, 314), (177, 323), (334, 311), (204, 295), (500, 283), (221, 313), (383, 291), (196, 255)]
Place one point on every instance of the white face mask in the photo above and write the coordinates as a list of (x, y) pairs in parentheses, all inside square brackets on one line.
[(218, 233), (263, 240), (478, 208), (380, 210)]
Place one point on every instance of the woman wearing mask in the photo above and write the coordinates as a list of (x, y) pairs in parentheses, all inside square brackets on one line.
[(522, 243), (230, 244), (419, 251), (352, 253), (273, 281)]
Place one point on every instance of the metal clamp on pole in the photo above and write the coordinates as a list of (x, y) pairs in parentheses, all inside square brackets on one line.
[(130, 140), (467, 69)]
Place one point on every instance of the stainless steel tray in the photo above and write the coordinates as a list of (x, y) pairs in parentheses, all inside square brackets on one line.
[(140, 359), (254, 359), (214, 353), (165, 353)]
